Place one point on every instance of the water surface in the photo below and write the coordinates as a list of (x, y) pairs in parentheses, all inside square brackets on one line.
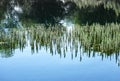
[(74, 41)]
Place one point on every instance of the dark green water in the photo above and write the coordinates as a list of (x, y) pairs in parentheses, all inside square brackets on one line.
[(52, 40)]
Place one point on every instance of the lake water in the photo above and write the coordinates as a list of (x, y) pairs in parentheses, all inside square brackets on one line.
[(59, 41)]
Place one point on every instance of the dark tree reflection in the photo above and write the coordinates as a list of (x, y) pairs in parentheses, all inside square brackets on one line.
[(47, 11)]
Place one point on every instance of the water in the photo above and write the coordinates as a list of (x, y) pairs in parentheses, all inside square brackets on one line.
[(59, 45), (44, 66)]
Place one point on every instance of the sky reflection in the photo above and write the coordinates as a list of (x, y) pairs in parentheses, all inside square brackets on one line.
[(45, 67)]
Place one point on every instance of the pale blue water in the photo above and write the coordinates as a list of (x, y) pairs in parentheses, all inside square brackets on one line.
[(42, 66)]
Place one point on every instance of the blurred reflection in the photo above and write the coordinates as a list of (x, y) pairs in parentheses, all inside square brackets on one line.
[(86, 40), (53, 11), (94, 30), (107, 4), (45, 11), (98, 38), (98, 14), (11, 40)]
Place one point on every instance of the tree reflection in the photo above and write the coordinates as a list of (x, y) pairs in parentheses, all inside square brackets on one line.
[(52, 11), (10, 41), (97, 15), (49, 11), (45, 11), (3, 5), (98, 38), (108, 4), (96, 30), (86, 40)]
